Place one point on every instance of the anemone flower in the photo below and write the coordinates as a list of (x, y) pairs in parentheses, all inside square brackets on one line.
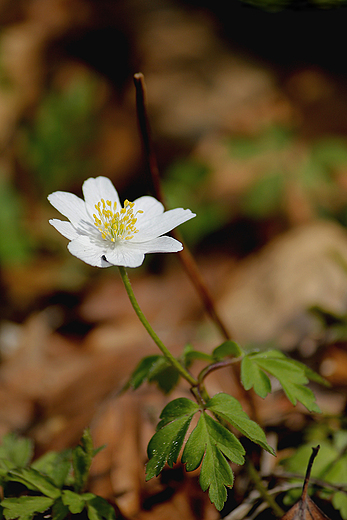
[(102, 233)]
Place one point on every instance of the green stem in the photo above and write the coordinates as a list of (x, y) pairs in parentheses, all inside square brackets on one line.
[(174, 362), (253, 473)]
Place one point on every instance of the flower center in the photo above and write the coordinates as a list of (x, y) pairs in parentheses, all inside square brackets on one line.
[(115, 225)]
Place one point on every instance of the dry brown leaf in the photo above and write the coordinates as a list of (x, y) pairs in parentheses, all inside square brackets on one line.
[(267, 295)]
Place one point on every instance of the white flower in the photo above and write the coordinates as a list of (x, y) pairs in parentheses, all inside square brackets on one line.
[(102, 233)]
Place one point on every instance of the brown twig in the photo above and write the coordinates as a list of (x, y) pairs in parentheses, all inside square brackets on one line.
[(308, 472), (185, 255), (216, 366)]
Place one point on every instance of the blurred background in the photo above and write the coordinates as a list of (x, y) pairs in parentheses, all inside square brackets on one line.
[(248, 104)]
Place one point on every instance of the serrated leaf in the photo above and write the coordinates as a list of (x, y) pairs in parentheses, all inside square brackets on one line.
[(99, 509), (73, 501), (155, 369), (55, 465), (164, 374), (252, 376), (227, 349), (177, 408), (292, 376), (339, 501), (35, 481), (18, 450), (81, 462), (210, 442), (311, 374), (142, 371), (189, 355), (25, 507), (87, 442), (166, 443), (229, 409), (82, 457), (59, 510)]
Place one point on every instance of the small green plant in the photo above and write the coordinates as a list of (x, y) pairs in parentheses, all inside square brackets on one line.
[(102, 233), (211, 443), (53, 484), (55, 145)]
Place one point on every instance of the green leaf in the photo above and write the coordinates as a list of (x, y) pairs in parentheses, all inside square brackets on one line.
[(18, 450), (155, 369), (15, 241), (25, 507), (164, 374), (55, 465), (339, 501), (189, 355), (99, 509), (59, 510), (142, 371), (291, 375), (35, 481), (73, 501), (264, 197), (230, 410), (226, 349), (311, 374), (210, 442), (252, 376), (82, 457), (166, 443)]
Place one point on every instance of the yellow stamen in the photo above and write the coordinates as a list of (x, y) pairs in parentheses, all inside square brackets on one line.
[(115, 225)]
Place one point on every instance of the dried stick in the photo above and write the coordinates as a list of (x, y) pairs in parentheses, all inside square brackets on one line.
[(185, 255)]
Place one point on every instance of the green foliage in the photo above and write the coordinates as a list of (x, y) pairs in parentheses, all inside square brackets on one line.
[(14, 241), (48, 481), (273, 139), (57, 466), (264, 198), (330, 466), (15, 451), (227, 349), (210, 444), (184, 186), (166, 443), (155, 369), (334, 324), (229, 409), (189, 355), (25, 507), (82, 457), (54, 147), (314, 176), (292, 376)]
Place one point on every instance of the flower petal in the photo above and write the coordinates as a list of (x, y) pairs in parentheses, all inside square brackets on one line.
[(65, 228), (150, 206), (124, 255), (96, 189), (161, 224), (70, 206), (89, 252), (158, 245)]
